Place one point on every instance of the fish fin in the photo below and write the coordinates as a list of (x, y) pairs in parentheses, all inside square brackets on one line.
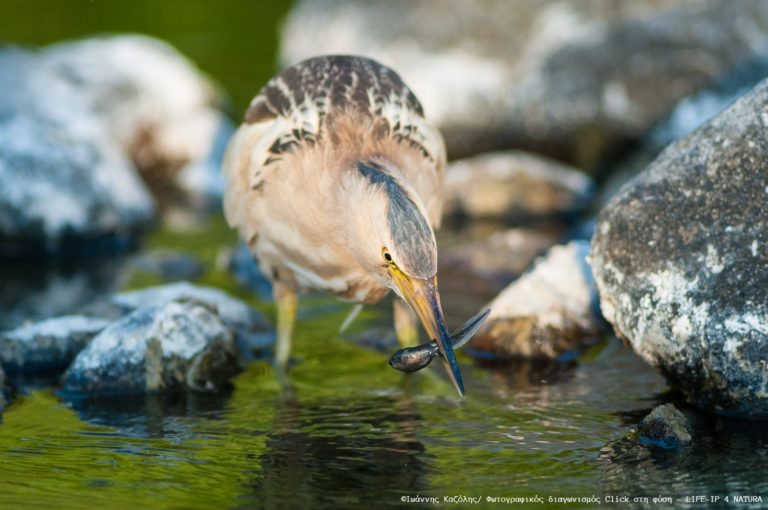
[(468, 329)]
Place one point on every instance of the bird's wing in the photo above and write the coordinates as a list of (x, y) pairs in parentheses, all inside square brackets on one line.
[(291, 109)]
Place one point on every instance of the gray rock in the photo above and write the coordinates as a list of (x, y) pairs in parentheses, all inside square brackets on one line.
[(62, 178), (665, 426), (690, 113), (502, 256), (244, 267), (233, 311), (547, 312), (679, 256), (166, 265), (172, 346), (514, 186), (49, 345), (156, 104), (571, 78), (252, 331)]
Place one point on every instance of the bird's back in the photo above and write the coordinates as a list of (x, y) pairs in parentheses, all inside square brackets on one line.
[(310, 120)]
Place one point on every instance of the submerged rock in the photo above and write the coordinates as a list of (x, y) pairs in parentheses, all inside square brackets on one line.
[(680, 254), (172, 346), (514, 186), (162, 111), (49, 345), (550, 311), (568, 78), (64, 183), (666, 426)]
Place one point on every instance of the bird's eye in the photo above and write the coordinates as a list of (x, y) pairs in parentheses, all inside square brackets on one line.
[(387, 256)]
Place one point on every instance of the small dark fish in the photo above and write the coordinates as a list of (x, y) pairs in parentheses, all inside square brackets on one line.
[(413, 359)]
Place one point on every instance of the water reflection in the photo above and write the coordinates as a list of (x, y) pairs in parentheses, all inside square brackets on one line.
[(168, 416), (38, 289), (340, 454)]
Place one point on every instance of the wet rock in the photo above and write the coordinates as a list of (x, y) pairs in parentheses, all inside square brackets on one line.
[(178, 345), (574, 79), (49, 345), (252, 332), (501, 256), (514, 186), (665, 426), (548, 312), (679, 256), (159, 108), (65, 186)]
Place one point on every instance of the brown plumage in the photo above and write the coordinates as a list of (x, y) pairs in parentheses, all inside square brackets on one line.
[(334, 182)]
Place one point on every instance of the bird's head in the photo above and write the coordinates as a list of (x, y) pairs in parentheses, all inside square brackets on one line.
[(394, 243)]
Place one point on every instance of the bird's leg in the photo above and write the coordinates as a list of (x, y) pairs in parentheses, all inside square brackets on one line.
[(286, 301), (406, 324)]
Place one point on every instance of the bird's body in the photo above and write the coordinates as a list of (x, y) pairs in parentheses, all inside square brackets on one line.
[(334, 182)]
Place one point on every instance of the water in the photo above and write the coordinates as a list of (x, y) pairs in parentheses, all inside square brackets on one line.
[(345, 430)]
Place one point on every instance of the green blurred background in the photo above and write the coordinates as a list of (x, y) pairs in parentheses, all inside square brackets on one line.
[(233, 41)]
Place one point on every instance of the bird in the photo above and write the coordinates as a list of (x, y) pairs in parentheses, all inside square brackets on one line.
[(333, 180)]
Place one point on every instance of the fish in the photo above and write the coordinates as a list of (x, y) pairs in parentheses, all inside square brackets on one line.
[(413, 359)]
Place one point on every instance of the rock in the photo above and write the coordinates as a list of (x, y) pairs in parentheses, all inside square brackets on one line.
[(166, 265), (244, 267), (696, 109), (514, 186), (574, 79), (690, 113), (666, 426), (547, 312), (64, 184), (502, 256), (49, 345), (679, 256), (233, 311), (251, 329), (162, 111), (178, 345)]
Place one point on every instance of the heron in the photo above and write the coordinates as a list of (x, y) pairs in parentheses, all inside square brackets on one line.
[(333, 180)]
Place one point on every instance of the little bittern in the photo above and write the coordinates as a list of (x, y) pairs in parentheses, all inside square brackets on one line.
[(334, 181)]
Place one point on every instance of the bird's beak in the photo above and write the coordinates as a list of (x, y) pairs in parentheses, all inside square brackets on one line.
[(422, 296)]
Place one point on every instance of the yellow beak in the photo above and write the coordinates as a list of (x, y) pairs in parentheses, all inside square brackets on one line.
[(423, 298)]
